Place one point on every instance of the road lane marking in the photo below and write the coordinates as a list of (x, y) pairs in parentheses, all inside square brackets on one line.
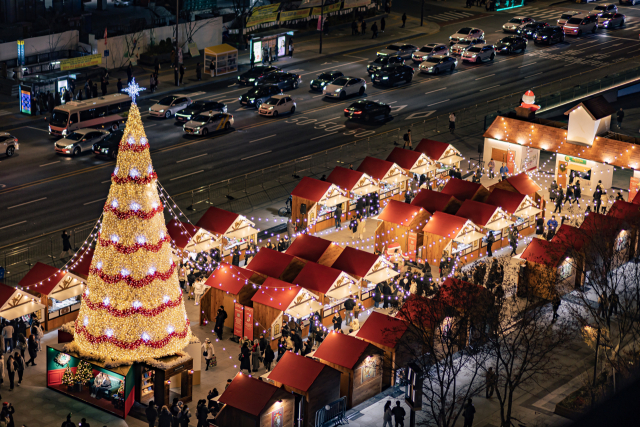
[(95, 201), (437, 90), (532, 75), (150, 126), (17, 223), (41, 130), (191, 158), (435, 103), (526, 65), (318, 96), (184, 176), (26, 203), (52, 163), (487, 88), (256, 140), (322, 136), (490, 75), (104, 182), (256, 155)]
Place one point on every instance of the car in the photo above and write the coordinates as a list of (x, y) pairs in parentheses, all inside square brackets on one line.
[(206, 122), (429, 50), (531, 30), (516, 23), (199, 106), (109, 145), (79, 140), (8, 143), (367, 110), (121, 3), (256, 75), (281, 79), (629, 2), (466, 33), (550, 35), (169, 106), (461, 46), (383, 61), (438, 63), (510, 44), (324, 79), (580, 24), (611, 20), (392, 74), (604, 8), (479, 53), (403, 50), (345, 86), (566, 16), (277, 104), (259, 94)]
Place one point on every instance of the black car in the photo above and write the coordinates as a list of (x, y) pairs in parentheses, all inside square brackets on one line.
[(511, 44), (549, 35), (391, 74), (531, 30), (383, 61), (183, 116), (259, 94), (367, 110), (324, 79), (256, 75), (282, 80), (108, 147)]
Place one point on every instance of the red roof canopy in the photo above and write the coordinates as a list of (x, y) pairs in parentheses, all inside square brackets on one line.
[(445, 225), (478, 213), (570, 237), (433, 149), (342, 350), (382, 329), (625, 211), (463, 295), (421, 312), (182, 232), (48, 275), (307, 247), (355, 262), (543, 252), (461, 189), (248, 394), (507, 200), (523, 183), (81, 266), (217, 220), (311, 189), (431, 201), (6, 292), (596, 223), (229, 278), (296, 371), (406, 159), (269, 262), (399, 213), (276, 294), (374, 167), (316, 277), (636, 199), (344, 178)]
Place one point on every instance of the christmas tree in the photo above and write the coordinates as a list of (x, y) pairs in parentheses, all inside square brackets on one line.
[(132, 308), (84, 373), (68, 378)]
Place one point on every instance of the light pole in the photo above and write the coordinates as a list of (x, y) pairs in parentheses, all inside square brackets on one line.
[(321, 24), (177, 21), (421, 13)]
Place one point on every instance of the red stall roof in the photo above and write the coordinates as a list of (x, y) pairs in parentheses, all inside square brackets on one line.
[(276, 293), (461, 189), (375, 168), (182, 232), (596, 223), (311, 189), (433, 149), (523, 183), (269, 262), (355, 262), (462, 295), (6, 292), (340, 349), (406, 159), (445, 225), (344, 178), (636, 199), (399, 213), (316, 277), (570, 237), (382, 329), (48, 275), (229, 278), (542, 252), (431, 201), (296, 371), (217, 220), (421, 311), (248, 394), (507, 200), (478, 213), (81, 266), (309, 248), (625, 211)]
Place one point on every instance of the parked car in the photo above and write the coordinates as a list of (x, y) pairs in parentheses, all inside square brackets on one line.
[(324, 79), (429, 50), (438, 64), (259, 94), (392, 74), (402, 50), (206, 122), (9, 143), (466, 33), (611, 20), (479, 53), (276, 105), (109, 145), (567, 15), (550, 35), (516, 23), (169, 106), (367, 110), (80, 140), (604, 8), (383, 61), (256, 75), (530, 31), (345, 86), (580, 24), (282, 79), (198, 107), (511, 44)]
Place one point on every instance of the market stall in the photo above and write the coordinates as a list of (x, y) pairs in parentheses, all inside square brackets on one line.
[(413, 162), (315, 383), (360, 363), (444, 155), (435, 201), (491, 218), (313, 203), (312, 248), (629, 215), (391, 177), (401, 223), (162, 380), (15, 303), (234, 230), (250, 402), (189, 238), (607, 238), (279, 265), (220, 59), (547, 270), (465, 190), (521, 207), (451, 235), (523, 184), (363, 191)]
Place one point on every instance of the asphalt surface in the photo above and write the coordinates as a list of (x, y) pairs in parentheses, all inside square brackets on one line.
[(41, 191)]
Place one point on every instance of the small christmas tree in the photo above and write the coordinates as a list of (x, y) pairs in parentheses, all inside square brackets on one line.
[(84, 373), (68, 378)]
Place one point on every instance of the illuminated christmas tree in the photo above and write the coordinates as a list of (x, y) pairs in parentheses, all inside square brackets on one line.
[(84, 373), (68, 378), (132, 308)]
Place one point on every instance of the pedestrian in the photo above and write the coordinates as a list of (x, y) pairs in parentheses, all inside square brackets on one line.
[(245, 358), (269, 355), (291, 48), (492, 167), (156, 65), (613, 303), (620, 116), (11, 370), (338, 216), (490, 382), (32, 346), (490, 240), (513, 239), (597, 196), (504, 170), (407, 140), (383, 23), (67, 423), (337, 321), (182, 69), (1, 369), (398, 414), (404, 20), (361, 228), (363, 26), (119, 85), (198, 72), (152, 413), (569, 196), (452, 122), (94, 90), (555, 305), (354, 28), (377, 295), (374, 30), (552, 225), (202, 413), (559, 200), (221, 316), (72, 86), (349, 305), (103, 86), (87, 89), (468, 413), (67, 96), (209, 353), (176, 75), (20, 365), (353, 226), (165, 419), (476, 177), (198, 290), (386, 417), (602, 304), (255, 355), (553, 190)]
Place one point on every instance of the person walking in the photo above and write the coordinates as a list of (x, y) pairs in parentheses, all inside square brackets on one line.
[(374, 30), (559, 200), (407, 140), (198, 290), (620, 116), (94, 90), (504, 170), (11, 371), (176, 75), (338, 216), (552, 225), (291, 48), (152, 413), (152, 83), (468, 413), (269, 355), (377, 295), (387, 414), (349, 304), (184, 415), (452, 122), (513, 239), (614, 301), (119, 85), (490, 240), (32, 347), (255, 355), (67, 96), (555, 305), (19, 363), (1, 369), (490, 383), (129, 73), (221, 316), (492, 167), (353, 226), (198, 72), (245, 358), (209, 353), (363, 26), (398, 414), (383, 23), (103, 86), (404, 20), (7, 334), (337, 321), (354, 28), (202, 413), (597, 196)]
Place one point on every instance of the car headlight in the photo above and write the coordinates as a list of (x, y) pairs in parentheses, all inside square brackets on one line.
[(544, 37), (270, 108), (70, 146), (473, 56), (238, 77), (338, 90), (385, 78), (198, 128), (251, 80), (251, 99), (64, 131), (105, 150), (161, 111), (239, 98)]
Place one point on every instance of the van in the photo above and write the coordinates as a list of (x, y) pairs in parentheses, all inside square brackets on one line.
[(581, 24)]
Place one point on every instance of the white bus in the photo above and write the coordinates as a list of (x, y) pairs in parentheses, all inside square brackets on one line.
[(103, 112)]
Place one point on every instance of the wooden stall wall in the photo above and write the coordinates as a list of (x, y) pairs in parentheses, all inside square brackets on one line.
[(275, 409), (264, 316), (367, 376), (325, 389), (53, 324), (232, 417), (206, 306), (434, 246), (299, 219)]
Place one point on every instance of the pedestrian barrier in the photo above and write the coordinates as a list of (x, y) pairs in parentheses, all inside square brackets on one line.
[(332, 414)]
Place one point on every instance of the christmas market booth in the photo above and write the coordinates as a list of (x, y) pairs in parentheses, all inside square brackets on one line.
[(234, 230), (401, 223), (522, 184), (15, 303), (445, 155), (360, 363), (521, 207), (629, 216), (314, 249), (435, 201), (491, 218), (279, 265), (59, 291), (450, 235), (313, 383), (191, 239), (413, 162), (605, 237), (392, 178), (313, 203), (363, 191), (249, 402), (547, 270), (465, 190)]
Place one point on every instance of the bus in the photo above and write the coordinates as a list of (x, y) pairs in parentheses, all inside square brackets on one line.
[(103, 112)]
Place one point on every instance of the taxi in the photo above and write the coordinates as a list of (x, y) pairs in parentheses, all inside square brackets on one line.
[(206, 122)]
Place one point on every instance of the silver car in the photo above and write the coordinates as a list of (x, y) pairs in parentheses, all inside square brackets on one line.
[(479, 53), (466, 33), (8, 144), (429, 50), (461, 46), (516, 23), (403, 50), (604, 8), (566, 16), (206, 122), (611, 20), (438, 64), (169, 106), (80, 140)]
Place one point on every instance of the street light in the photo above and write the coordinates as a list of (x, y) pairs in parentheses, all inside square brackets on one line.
[(321, 24)]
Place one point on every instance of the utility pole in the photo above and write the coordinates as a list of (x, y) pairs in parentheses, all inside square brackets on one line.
[(422, 13), (177, 21), (321, 24)]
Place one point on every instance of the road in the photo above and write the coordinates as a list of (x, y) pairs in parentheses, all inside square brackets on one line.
[(42, 192)]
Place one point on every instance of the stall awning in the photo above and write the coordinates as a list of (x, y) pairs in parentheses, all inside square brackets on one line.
[(469, 238), (499, 224), (451, 160), (343, 291), (47, 280), (15, 303), (228, 224), (382, 170), (396, 179), (352, 181), (411, 161), (334, 200), (188, 237), (367, 189), (303, 310), (381, 275), (527, 212), (485, 215)]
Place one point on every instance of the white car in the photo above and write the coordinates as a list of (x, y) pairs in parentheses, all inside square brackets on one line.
[(169, 106), (479, 53), (604, 8), (207, 122), (461, 46), (465, 34), (345, 86), (429, 50), (8, 144), (566, 16), (80, 140), (121, 3), (402, 50), (516, 23), (276, 105)]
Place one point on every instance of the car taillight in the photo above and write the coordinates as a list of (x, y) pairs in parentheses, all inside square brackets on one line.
[(346, 110), (357, 112)]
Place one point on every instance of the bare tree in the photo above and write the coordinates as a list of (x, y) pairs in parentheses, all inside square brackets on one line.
[(121, 53)]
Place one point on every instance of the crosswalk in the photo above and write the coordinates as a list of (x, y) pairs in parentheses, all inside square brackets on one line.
[(537, 13), (449, 16)]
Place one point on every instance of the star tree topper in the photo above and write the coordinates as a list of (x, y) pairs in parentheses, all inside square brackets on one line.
[(133, 90)]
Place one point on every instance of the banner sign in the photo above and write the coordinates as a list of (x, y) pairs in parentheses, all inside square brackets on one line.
[(21, 52), (412, 245), (310, 3), (248, 322), (348, 4), (331, 8), (294, 14), (263, 14), (193, 49), (238, 319), (575, 160), (80, 62)]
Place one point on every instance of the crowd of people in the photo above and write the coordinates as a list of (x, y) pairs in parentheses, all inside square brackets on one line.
[(17, 347)]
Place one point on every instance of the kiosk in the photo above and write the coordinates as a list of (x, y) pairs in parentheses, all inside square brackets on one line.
[(391, 177), (279, 265), (522, 184), (465, 190), (15, 303), (491, 218), (315, 249), (363, 190), (451, 235), (413, 162), (188, 238), (522, 209), (313, 203), (434, 201), (548, 270), (232, 229), (445, 155), (629, 215), (401, 223), (220, 59)]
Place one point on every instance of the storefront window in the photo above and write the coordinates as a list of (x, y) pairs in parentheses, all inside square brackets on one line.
[(63, 306)]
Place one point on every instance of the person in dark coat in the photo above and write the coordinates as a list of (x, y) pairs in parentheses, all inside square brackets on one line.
[(337, 321), (152, 413), (119, 85), (221, 316), (58, 100), (8, 411), (363, 26), (377, 295), (490, 240), (198, 72), (181, 73), (245, 359), (374, 30), (176, 76), (32, 346), (354, 28), (67, 96), (94, 90), (202, 413), (269, 355), (386, 294), (468, 413), (103, 86), (404, 19), (235, 259), (382, 24), (165, 419), (67, 250)]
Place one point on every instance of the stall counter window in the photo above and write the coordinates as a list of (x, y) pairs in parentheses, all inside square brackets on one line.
[(58, 308)]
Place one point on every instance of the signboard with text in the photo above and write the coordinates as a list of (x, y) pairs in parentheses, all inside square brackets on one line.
[(80, 62), (248, 322), (238, 319), (412, 245)]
